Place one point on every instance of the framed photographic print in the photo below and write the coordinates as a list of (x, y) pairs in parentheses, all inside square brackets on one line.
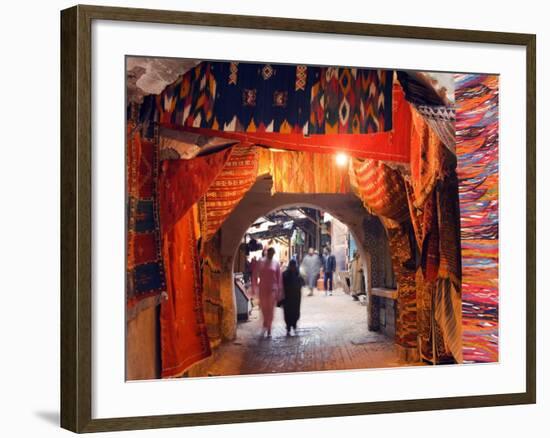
[(267, 218)]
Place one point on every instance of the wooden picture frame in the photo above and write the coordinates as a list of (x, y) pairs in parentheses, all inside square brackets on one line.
[(76, 217)]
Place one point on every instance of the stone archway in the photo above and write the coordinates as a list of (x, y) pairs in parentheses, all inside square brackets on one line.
[(258, 202)]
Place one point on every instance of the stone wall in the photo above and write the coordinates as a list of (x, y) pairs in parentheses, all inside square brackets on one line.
[(376, 244), (143, 345)]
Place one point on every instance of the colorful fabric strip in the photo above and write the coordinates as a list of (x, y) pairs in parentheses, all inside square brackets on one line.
[(477, 103)]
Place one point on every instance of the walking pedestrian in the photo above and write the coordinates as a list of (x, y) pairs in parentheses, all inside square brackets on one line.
[(311, 266), (329, 266), (292, 286), (267, 284)]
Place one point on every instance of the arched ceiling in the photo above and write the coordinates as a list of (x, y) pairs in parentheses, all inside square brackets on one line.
[(258, 202), (151, 75)]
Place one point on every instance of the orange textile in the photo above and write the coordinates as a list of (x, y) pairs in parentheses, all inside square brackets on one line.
[(382, 189), (184, 338), (307, 172), (144, 274), (184, 182), (402, 124), (378, 145), (426, 151), (229, 187)]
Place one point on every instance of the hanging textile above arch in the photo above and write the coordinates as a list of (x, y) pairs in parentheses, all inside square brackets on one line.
[(307, 172), (178, 193), (229, 187), (381, 188), (297, 107), (252, 97)]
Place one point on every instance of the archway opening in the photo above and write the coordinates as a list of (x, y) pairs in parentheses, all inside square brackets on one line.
[(335, 331)]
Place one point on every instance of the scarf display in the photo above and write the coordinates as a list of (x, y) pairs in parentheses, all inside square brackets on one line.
[(184, 338), (477, 102)]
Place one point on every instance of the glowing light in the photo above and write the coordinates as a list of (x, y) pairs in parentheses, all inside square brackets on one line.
[(341, 159)]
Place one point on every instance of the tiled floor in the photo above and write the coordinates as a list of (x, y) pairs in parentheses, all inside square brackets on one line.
[(332, 335)]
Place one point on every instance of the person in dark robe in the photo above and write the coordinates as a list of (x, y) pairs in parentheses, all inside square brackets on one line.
[(292, 286)]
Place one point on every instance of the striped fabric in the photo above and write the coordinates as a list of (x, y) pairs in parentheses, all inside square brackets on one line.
[(426, 158), (307, 172), (406, 332), (229, 187), (477, 101), (178, 193), (381, 188)]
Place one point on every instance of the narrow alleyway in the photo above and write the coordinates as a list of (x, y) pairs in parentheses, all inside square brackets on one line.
[(332, 335)]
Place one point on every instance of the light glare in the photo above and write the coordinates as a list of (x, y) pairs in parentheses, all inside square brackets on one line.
[(341, 159)]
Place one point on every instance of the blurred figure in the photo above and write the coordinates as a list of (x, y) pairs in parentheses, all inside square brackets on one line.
[(329, 266), (311, 266), (356, 270), (292, 285), (267, 284)]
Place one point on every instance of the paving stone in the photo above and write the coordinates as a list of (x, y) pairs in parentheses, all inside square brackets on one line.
[(332, 335)]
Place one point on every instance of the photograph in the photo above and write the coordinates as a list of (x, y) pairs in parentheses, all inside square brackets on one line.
[(293, 218), (285, 219)]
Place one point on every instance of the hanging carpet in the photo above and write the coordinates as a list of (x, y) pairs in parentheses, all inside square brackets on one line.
[(184, 338), (184, 182), (321, 109), (306, 172), (237, 176), (144, 267), (426, 158), (381, 188), (350, 101), (406, 310)]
